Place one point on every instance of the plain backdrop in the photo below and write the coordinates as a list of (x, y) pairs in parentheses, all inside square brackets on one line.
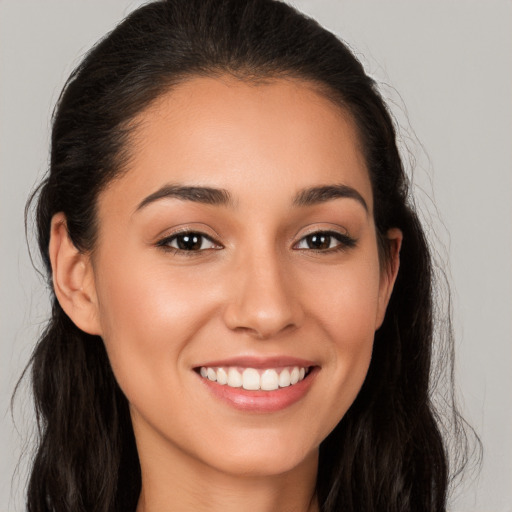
[(446, 68)]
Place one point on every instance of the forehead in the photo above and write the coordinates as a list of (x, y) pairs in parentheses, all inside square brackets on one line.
[(258, 138)]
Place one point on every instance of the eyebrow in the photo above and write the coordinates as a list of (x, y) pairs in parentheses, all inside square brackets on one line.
[(222, 197), (318, 195), (205, 195)]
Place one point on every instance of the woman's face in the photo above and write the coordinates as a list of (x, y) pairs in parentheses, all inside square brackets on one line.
[(239, 246)]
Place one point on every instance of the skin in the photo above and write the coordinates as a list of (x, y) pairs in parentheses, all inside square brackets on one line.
[(256, 289)]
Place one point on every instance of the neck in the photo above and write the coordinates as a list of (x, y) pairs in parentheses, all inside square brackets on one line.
[(187, 484)]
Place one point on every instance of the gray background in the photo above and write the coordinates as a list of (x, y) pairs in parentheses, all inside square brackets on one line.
[(445, 65)]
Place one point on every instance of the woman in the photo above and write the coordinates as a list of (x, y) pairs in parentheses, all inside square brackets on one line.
[(242, 307)]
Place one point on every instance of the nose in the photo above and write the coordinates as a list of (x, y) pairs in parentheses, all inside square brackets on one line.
[(264, 301)]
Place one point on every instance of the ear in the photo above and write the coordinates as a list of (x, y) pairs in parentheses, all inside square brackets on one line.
[(389, 272), (73, 278)]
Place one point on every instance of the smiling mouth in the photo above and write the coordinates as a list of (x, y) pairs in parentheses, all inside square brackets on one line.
[(252, 379)]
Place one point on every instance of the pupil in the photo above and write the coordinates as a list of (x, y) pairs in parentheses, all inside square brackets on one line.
[(189, 242), (319, 241)]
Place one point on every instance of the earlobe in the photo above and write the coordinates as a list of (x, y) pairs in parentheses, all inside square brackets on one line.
[(73, 279), (389, 273)]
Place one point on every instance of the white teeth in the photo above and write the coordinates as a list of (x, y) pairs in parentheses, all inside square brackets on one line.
[(269, 380), (234, 378), (222, 376), (252, 379), (284, 378)]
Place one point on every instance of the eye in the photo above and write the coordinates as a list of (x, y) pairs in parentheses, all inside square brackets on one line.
[(189, 241), (325, 241)]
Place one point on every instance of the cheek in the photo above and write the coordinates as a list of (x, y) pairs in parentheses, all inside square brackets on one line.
[(347, 303), (148, 315), (347, 311)]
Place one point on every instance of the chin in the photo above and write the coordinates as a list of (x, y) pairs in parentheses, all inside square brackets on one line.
[(261, 467), (264, 456)]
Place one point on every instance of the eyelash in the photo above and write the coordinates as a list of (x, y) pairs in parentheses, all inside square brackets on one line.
[(344, 242), (165, 243)]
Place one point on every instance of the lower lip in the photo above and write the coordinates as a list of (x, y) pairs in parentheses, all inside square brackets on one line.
[(261, 401)]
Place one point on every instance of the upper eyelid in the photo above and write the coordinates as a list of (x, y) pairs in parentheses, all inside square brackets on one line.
[(315, 228), (183, 230), (329, 232), (171, 236), (345, 240), (165, 242)]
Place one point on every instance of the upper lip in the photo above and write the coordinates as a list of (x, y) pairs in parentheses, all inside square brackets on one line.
[(259, 362)]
